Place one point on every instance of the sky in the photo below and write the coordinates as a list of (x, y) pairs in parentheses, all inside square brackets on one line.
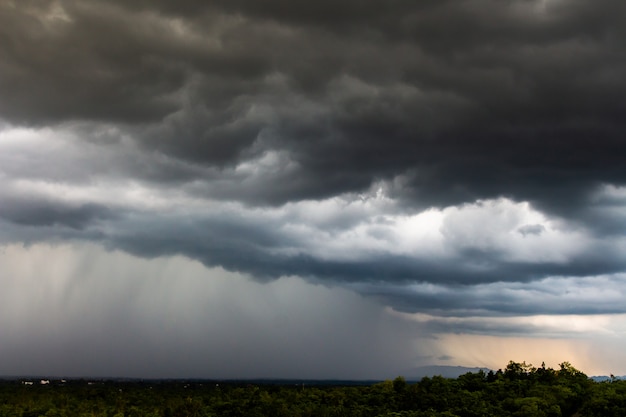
[(329, 189)]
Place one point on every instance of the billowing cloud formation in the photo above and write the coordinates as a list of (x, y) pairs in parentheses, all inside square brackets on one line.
[(459, 160), (439, 258), (456, 100)]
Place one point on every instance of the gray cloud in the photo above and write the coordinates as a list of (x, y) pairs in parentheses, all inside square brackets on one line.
[(462, 103), (269, 244), (450, 158), (64, 62), (50, 213), (531, 229), (551, 296)]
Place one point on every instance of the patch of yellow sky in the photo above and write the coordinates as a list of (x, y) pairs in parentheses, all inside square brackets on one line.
[(592, 355), (495, 352)]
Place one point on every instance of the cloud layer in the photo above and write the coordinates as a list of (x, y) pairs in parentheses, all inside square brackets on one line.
[(456, 160), (457, 101), (367, 241)]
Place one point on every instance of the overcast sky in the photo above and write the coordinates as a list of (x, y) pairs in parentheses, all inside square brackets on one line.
[(328, 189)]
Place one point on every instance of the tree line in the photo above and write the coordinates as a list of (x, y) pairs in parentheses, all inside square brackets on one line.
[(517, 390)]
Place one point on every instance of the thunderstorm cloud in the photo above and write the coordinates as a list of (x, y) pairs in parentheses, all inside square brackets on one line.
[(431, 169)]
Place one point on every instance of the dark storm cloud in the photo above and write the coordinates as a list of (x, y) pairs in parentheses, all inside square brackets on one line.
[(90, 63), (274, 103), (552, 296), (464, 100), (40, 212), (249, 251), (55, 188), (463, 281)]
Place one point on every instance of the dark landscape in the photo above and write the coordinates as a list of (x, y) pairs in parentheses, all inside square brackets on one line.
[(517, 390)]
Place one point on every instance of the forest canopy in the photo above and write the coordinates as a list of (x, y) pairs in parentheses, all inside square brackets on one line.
[(520, 389)]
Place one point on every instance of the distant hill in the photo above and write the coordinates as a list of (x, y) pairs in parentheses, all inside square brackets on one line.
[(602, 378), (444, 371)]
